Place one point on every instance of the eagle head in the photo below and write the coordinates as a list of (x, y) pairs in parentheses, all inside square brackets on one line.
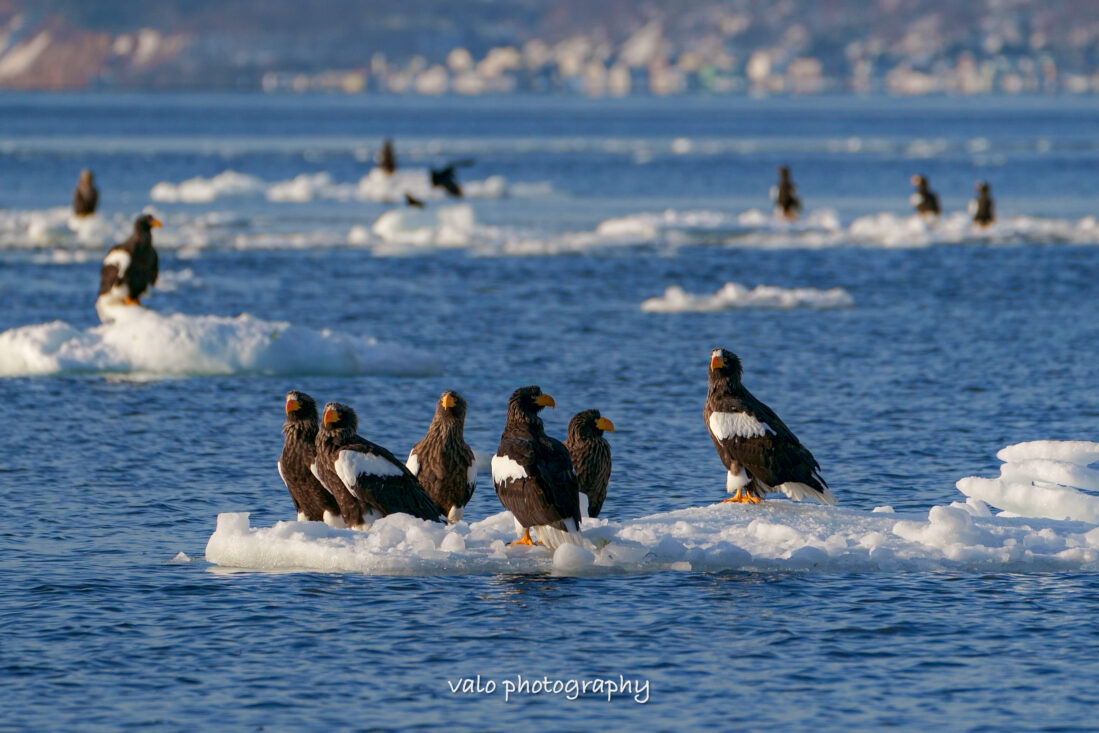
[(725, 366), (589, 424), (452, 406), (300, 407), (146, 223), (339, 418), (529, 401)]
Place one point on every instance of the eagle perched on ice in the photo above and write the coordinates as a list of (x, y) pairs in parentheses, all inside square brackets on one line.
[(758, 450), (533, 474), (442, 462), (367, 480), (129, 269), (591, 456)]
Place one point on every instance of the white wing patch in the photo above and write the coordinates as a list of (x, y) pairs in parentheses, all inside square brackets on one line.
[(282, 475), (725, 425), (504, 468), (120, 258), (413, 464), (471, 475), (350, 464)]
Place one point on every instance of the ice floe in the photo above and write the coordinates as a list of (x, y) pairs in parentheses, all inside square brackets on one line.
[(1042, 478), (142, 341), (377, 185), (775, 535), (734, 295), (436, 226)]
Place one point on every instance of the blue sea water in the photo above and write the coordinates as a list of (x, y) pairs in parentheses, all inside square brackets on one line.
[(951, 352)]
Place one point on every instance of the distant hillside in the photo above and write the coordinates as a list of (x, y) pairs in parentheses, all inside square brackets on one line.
[(500, 46)]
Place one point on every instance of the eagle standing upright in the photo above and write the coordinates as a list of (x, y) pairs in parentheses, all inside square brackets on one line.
[(533, 474), (129, 268), (85, 195), (299, 451), (442, 462), (591, 456), (758, 450), (367, 480)]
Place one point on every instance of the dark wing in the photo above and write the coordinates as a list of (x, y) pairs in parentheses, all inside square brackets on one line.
[(446, 179), (108, 278), (84, 202), (154, 265), (391, 487), (777, 456), (557, 477), (591, 460)]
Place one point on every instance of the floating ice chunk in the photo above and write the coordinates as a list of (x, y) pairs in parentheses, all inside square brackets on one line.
[(204, 190), (734, 295), (1042, 479), (181, 557), (441, 226), (572, 558), (169, 281), (139, 340), (1080, 452), (302, 188)]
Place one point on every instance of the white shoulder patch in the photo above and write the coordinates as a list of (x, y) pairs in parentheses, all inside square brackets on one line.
[(351, 464), (725, 425), (504, 468), (120, 258), (413, 464)]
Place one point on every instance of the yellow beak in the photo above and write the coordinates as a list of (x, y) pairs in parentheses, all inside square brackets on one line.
[(448, 401), (292, 405), (329, 415), (604, 424), (155, 223), (545, 401), (716, 362)]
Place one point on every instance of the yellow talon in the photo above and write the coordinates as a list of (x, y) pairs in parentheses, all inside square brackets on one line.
[(737, 498), (525, 540), (752, 498)]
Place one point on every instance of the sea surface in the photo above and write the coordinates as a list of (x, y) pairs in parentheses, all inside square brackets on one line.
[(957, 343)]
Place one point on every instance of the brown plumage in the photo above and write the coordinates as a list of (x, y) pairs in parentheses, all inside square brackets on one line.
[(533, 474), (130, 268), (591, 456), (387, 159), (442, 462), (299, 452), (759, 452), (367, 480), (787, 202), (924, 200), (86, 195), (983, 208)]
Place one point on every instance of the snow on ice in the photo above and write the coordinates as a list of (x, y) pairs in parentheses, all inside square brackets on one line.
[(775, 535), (142, 341), (734, 295)]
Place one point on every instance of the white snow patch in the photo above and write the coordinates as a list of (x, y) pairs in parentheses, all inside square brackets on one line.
[(142, 341), (734, 295), (442, 226)]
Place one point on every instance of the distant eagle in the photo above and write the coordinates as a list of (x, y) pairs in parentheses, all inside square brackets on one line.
[(787, 203), (533, 474), (923, 199), (387, 159), (367, 480), (983, 208), (86, 195), (591, 456), (442, 462), (447, 177), (759, 452), (299, 451), (129, 268)]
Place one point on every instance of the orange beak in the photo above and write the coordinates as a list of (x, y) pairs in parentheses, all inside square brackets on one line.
[(292, 405), (545, 401), (329, 415), (604, 424), (448, 401), (716, 362), (155, 224)]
